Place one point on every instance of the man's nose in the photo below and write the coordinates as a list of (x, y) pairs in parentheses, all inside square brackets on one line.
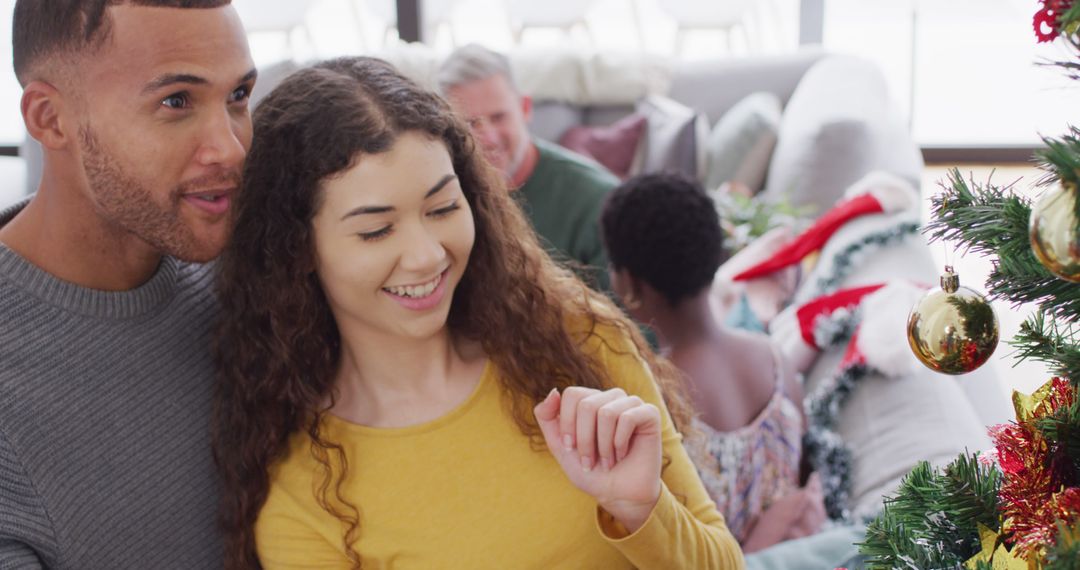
[(487, 134), (224, 139)]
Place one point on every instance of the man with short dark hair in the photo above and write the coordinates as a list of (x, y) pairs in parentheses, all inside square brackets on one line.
[(106, 377), (561, 192)]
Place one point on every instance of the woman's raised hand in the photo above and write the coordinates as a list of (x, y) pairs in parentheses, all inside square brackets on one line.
[(609, 445)]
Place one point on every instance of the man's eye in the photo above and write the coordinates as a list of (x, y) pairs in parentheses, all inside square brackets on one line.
[(241, 94), (177, 101)]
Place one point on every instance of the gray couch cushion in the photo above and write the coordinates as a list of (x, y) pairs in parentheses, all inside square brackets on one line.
[(674, 137), (551, 119), (714, 86), (600, 115), (839, 125), (890, 424), (742, 142)]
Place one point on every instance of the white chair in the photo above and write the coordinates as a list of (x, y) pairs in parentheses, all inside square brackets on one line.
[(562, 15), (726, 16)]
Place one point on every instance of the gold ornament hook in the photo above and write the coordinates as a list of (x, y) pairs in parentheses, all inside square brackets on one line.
[(950, 281)]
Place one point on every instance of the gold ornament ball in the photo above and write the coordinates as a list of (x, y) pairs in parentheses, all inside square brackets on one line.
[(1055, 232), (952, 329)]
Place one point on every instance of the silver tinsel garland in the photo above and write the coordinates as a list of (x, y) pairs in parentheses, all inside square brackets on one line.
[(828, 453)]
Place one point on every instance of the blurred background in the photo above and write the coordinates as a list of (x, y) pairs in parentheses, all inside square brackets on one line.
[(962, 72)]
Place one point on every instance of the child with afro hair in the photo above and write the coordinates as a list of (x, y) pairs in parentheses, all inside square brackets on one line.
[(665, 245)]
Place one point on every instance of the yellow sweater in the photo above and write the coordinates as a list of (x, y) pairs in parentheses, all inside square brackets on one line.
[(468, 491)]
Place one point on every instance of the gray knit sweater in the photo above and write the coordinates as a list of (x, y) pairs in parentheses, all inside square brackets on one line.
[(104, 421)]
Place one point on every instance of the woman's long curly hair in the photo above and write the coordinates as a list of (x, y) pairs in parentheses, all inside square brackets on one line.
[(278, 346)]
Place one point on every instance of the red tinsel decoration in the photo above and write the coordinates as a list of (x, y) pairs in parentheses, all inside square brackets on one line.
[(1032, 499), (1046, 20)]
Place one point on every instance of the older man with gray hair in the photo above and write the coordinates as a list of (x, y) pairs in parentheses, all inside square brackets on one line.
[(560, 191)]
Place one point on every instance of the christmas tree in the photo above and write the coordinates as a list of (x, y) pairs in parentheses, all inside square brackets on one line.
[(1017, 506)]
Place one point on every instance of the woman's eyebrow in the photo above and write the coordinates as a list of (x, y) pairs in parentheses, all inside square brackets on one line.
[(383, 209)]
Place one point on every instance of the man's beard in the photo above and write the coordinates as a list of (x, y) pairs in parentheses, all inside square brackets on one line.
[(129, 206), (517, 158)]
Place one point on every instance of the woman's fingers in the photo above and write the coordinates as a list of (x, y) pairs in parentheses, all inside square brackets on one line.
[(643, 419), (607, 418), (547, 417), (588, 409), (597, 426), (568, 413)]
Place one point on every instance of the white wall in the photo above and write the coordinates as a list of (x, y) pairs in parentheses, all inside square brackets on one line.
[(11, 125)]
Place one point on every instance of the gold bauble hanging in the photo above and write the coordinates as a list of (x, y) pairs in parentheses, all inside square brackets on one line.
[(1055, 232), (952, 329)]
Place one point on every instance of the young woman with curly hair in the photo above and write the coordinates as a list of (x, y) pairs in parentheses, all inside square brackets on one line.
[(408, 381)]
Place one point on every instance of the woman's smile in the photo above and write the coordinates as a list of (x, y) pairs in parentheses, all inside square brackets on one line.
[(421, 297)]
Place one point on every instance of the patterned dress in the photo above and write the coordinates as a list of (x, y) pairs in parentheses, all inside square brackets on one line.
[(748, 469)]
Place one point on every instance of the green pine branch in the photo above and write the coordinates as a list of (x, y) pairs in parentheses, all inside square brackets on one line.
[(991, 220), (1069, 20), (1061, 157), (983, 219), (1050, 342), (1070, 16), (1065, 554), (1062, 433), (891, 545), (932, 522)]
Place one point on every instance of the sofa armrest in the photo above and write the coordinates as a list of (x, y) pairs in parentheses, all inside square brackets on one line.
[(891, 423), (839, 125), (714, 86)]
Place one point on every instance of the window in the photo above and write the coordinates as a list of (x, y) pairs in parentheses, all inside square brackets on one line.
[(963, 70)]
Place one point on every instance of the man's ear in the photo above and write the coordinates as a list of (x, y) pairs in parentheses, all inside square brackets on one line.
[(41, 110), (526, 107)]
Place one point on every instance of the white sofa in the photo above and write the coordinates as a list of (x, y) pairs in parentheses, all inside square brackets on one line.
[(838, 121), (892, 423)]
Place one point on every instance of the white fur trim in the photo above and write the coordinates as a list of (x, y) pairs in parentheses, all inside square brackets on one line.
[(883, 334), (755, 252), (893, 193), (785, 333)]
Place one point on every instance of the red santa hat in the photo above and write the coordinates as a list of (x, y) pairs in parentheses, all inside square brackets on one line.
[(873, 313), (876, 193)]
